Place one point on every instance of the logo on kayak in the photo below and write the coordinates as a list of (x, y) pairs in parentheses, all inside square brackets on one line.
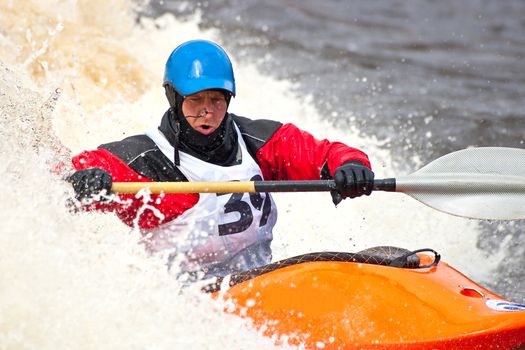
[(501, 305)]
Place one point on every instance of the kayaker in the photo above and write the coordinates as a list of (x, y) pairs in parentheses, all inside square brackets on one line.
[(198, 140)]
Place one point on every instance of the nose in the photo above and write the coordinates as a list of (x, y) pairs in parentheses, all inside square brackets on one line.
[(203, 112), (208, 106)]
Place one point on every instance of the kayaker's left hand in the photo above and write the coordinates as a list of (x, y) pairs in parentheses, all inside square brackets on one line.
[(352, 179)]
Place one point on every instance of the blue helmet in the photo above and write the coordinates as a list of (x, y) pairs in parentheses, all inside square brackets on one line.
[(198, 65)]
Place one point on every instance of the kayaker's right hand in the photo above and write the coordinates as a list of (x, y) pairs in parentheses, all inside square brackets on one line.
[(89, 182), (352, 179)]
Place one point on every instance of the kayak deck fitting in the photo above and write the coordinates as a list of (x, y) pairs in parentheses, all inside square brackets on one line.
[(380, 298)]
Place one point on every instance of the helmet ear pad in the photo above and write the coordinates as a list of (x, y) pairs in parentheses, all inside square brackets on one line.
[(227, 96), (174, 98)]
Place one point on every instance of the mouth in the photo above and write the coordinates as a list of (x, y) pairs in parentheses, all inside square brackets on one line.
[(205, 129)]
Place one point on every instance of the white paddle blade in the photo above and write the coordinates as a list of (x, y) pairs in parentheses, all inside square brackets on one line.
[(480, 183)]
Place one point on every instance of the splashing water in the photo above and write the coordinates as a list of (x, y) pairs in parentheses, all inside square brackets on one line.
[(75, 74)]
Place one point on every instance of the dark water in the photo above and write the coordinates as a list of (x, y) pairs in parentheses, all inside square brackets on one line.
[(428, 77)]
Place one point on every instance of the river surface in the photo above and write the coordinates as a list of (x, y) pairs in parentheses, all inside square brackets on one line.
[(406, 81)]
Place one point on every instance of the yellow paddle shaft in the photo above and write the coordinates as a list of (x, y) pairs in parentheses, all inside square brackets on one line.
[(185, 187), (225, 187)]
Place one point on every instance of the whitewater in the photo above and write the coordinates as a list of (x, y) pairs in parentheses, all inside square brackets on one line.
[(75, 74)]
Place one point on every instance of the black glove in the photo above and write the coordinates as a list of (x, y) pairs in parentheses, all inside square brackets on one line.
[(352, 179), (89, 182)]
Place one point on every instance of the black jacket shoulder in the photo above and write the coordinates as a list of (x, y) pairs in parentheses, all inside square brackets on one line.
[(130, 148), (255, 132), (143, 156)]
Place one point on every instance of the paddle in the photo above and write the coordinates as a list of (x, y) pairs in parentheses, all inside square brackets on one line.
[(480, 183)]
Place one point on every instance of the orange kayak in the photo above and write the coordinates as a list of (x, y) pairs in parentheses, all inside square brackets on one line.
[(370, 301)]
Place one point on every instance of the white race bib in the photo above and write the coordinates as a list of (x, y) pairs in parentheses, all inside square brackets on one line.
[(221, 229)]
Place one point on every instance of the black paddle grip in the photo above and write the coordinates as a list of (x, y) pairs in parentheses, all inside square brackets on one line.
[(388, 185)]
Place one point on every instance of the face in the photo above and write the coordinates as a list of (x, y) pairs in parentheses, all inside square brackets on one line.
[(205, 110)]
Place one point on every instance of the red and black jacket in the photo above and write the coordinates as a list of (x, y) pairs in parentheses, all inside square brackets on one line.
[(282, 151)]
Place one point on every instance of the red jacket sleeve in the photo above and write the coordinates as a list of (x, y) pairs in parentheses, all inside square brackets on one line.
[(293, 154), (127, 207)]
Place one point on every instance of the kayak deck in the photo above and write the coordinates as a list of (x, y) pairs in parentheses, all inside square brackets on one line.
[(336, 305)]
